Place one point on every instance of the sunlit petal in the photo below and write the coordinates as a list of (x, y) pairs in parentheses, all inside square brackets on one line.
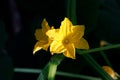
[(65, 27), (57, 47), (81, 44)]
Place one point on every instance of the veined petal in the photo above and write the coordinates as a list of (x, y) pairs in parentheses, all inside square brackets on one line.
[(70, 52), (77, 32), (45, 26), (57, 47), (65, 27), (81, 44)]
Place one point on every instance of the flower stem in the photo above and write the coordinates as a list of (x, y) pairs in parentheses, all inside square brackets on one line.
[(44, 73), (54, 62), (105, 58), (99, 49), (52, 71), (67, 3), (49, 71), (71, 10)]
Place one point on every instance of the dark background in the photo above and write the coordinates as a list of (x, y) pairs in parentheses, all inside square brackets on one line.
[(101, 18)]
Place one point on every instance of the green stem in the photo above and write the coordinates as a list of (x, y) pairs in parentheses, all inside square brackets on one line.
[(68, 10), (60, 73), (99, 49), (48, 73), (52, 71), (71, 10), (105, 58), (54, 62), (44, 73), (73, 75)]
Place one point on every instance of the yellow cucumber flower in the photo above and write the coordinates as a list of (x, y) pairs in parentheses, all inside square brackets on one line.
[(67, 38), (43, 40)]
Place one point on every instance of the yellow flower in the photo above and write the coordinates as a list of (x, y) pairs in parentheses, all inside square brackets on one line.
[(43, 40), (111, 72), (67, 38)]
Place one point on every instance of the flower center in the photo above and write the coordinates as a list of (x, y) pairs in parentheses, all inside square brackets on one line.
[(66, 41)]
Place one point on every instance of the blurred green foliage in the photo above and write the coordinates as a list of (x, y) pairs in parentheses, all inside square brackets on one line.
[(6, 67)]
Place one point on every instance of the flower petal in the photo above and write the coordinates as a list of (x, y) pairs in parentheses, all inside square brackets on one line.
[(37, 47), (37, 33), (41, 45), (70, 51), (40, 35), (81, 44), (77, 32), (65, 27), (57, 47), (45, 26)]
